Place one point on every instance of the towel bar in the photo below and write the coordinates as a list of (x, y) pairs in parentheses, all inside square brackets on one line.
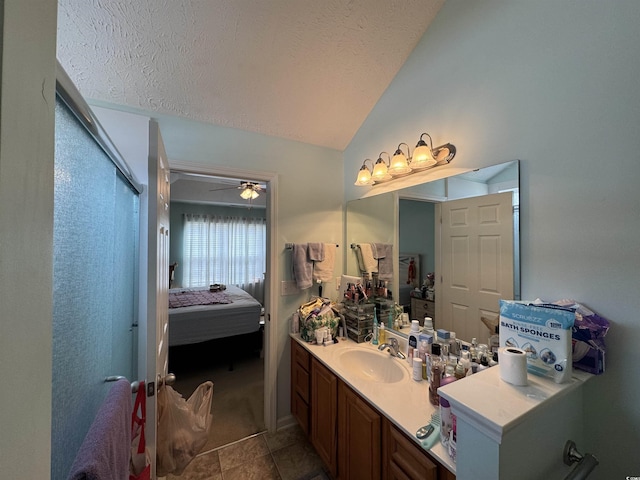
[(289, 246), (115, 378)]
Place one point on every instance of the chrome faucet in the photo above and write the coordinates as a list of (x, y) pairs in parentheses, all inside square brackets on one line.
[(393, 348)]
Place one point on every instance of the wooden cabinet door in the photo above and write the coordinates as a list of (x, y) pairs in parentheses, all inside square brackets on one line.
[(324, 413), (359, 437), (300, 364), (403, 458)]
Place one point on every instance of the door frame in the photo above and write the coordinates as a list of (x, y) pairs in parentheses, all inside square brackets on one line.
[(271, 299)]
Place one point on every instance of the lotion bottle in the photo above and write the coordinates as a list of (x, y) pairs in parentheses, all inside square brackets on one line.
[(382, 334), (412, 342)]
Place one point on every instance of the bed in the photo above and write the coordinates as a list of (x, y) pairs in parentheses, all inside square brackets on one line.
[(200, 323)]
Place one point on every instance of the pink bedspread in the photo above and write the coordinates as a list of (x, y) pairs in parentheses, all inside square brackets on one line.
[(200, 297)]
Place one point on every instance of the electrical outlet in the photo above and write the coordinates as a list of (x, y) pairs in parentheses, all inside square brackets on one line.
[(338, 279), (288, 287)]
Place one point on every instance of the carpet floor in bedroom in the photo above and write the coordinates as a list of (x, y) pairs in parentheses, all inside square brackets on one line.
[(237, 405)]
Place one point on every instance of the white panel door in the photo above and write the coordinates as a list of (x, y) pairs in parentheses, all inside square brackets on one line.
[(157, 277), (477, 262)]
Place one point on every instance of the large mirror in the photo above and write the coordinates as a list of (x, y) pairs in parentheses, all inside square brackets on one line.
[(455, 244)]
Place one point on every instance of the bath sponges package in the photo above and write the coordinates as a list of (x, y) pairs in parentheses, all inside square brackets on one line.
[(543, 332)]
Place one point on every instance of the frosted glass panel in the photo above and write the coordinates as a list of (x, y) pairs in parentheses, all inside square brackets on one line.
[(94, 276)]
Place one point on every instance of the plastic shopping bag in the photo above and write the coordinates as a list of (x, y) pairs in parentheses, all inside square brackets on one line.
[(183, 427)]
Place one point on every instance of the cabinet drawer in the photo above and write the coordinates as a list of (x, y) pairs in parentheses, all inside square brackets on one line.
[(300, 381), (300, 356), (405, 459), (421, 308)]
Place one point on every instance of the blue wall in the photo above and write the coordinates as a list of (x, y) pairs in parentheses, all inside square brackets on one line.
[(554, 84)]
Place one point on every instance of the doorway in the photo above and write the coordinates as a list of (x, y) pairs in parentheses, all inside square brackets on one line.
[(238, 365)]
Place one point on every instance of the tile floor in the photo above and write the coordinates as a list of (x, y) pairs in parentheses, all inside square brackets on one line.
[(285, 455)]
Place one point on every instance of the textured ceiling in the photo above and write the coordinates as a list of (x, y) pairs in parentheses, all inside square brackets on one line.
[(306, 70)]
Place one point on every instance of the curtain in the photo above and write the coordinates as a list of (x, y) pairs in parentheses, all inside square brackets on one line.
[(228, 250)]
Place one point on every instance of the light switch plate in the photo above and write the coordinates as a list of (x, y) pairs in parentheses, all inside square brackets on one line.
[(288, 287)]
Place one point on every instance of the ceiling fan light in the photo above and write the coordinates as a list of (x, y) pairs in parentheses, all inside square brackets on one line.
[(250, 192)]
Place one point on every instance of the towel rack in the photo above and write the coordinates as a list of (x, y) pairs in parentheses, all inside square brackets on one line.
[(289, 246), (115, 378)]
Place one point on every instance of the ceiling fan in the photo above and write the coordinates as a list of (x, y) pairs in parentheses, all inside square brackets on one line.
[(248, 190)]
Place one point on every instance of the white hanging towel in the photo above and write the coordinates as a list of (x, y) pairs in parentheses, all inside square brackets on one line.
[(369, 262), (323, 270)]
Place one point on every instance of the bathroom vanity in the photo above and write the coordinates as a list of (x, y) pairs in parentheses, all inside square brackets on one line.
[(375, 418), (365, 417)]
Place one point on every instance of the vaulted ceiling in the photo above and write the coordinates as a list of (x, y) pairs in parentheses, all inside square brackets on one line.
[(305, 70)]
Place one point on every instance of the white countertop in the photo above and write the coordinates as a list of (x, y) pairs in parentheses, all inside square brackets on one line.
[(494, 406), (405, 403)]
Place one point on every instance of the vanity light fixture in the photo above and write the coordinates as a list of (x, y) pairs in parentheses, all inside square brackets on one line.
[(399, 163), (424, 156), (364, 174), (381, 169)]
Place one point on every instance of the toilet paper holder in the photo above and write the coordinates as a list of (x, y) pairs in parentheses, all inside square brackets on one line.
[(585, 463)]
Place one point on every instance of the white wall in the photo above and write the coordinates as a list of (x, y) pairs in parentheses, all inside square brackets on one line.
[(554, 84), (26, 236)]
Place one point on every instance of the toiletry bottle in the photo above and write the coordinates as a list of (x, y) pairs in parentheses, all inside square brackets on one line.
[(412, 342), (465, 361), (473, 350), (494, 340), (435, 374), (454, 346), (417, 366), (382, 334), (374, 339)]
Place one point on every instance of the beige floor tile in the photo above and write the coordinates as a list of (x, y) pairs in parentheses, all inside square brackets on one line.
[(297, 460), (203, 467), (260, 468), (285, 437), (242, 453)]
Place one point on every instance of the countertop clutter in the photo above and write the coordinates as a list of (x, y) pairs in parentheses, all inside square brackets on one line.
[(403, 401), (493, 413)]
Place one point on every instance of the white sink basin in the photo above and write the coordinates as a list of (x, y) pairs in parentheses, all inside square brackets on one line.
[(372, 365)]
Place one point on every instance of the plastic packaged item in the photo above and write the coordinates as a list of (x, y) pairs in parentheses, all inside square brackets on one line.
[(424, 346), (544, 332), (382, 334)]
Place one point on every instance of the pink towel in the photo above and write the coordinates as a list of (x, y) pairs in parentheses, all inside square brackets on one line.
[(106, 449)]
